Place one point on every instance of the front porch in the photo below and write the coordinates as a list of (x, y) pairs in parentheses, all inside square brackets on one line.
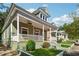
[(23, 28)]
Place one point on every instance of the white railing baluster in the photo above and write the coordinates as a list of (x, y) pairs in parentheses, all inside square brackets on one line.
[(28, 36)]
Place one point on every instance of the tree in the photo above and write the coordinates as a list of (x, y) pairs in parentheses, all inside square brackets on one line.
[(72, 29), (3, 15), (60, 28)]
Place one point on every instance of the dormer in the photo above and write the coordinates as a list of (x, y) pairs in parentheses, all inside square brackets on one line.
[(42, 13)]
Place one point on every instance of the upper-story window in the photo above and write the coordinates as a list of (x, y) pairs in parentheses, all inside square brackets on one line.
[(40, 15), (43, 17)]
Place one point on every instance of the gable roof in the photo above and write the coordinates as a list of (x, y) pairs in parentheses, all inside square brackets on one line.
[(43, 9), (25, 12)]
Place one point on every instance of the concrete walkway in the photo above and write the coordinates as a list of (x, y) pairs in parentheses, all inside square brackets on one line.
[(74, 51), (75, 48)]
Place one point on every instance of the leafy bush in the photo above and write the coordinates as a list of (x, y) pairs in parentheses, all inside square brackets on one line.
[(46, 45), (41, 52), (59, 40), (30, 46)]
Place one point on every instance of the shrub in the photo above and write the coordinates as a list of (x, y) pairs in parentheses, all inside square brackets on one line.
[(30, 46), (46, 45), (59, 40), (41, 52)]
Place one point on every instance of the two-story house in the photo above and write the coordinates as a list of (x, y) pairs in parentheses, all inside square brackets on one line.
[(22, 25)]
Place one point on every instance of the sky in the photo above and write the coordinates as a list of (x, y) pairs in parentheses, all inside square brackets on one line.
[(59, 12)]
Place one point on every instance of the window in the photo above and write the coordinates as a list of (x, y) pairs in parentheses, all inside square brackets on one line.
[(37, 32), (43, 17), (40, 15), (53, 34), (24, 30)]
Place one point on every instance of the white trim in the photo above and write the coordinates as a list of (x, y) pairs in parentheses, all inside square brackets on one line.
[(8, 32), (17, 27), (4, 34), (25, 28), (50, 34), (6, 21), (43, 12), (20, 15), (11, 30), (43, 32), (33, 30), (34, 17), (26, 13), (29, 19), (56, 34)]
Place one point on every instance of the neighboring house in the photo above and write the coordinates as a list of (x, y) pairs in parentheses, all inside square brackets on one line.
[(22, 25), (59, 35)]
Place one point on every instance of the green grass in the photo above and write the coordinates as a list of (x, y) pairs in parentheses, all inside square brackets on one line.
[(66, 44), (54, 51), (45, 52)]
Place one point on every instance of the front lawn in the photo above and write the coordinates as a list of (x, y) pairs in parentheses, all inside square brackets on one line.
[(66, 44), (45, 52)]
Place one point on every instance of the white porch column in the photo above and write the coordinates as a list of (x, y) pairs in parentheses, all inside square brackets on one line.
[(11, 30), (56, 34), (17, 27), (4, 35), (43, 32), (50, 34), (4, 38), (7, 32)]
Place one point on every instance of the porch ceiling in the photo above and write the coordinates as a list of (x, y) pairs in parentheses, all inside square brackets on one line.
[(34, 23)]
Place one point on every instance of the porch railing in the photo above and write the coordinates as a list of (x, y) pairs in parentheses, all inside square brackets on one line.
[(32, 37)]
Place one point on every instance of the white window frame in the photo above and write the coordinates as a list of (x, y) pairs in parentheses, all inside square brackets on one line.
[(25, 28), (35, 31)]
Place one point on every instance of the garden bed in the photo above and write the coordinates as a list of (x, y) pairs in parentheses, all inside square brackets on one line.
[(30, 48), (45, 52)]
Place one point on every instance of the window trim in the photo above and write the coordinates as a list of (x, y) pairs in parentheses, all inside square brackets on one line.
[(38, 30), (25, 28)]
